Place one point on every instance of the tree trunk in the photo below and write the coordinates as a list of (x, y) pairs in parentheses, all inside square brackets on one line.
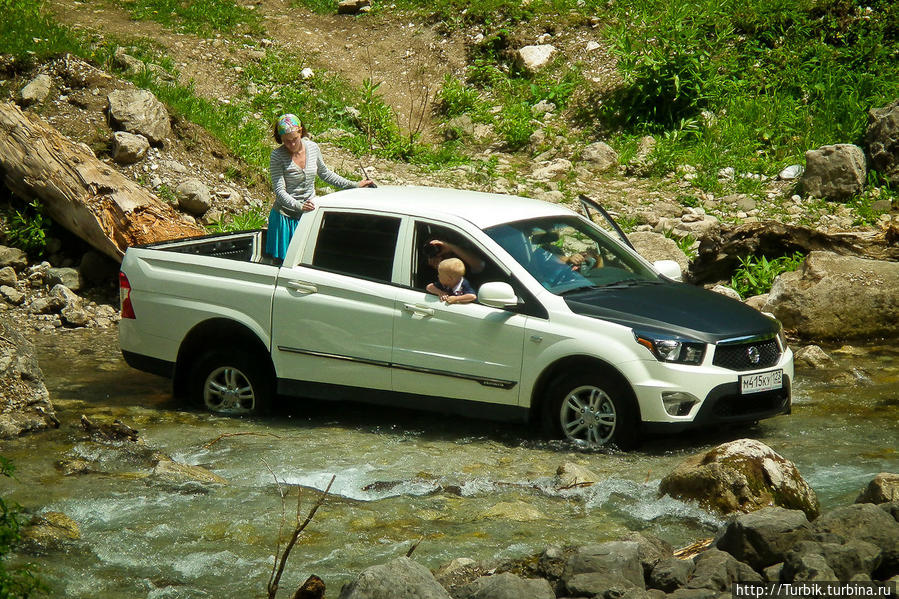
[(81, 193)]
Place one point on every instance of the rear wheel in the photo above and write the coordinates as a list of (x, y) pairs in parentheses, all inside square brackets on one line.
[(591, 410), (231, 382)]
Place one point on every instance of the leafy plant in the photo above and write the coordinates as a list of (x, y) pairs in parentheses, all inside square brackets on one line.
[(27, 230), (250, 219), (755, 276), (456, 98)]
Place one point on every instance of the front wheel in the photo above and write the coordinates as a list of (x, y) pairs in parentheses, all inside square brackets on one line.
[(591, 410), (231, 383)]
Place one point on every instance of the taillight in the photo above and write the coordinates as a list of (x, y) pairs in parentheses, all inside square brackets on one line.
[(125, 296)]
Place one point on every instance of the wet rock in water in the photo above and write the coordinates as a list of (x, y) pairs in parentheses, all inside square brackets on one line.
[(741, 476), (24, 400), (834, 296), (313, 588), (50, 531), (505, 586), (883, 489), (763, 538), (517, 511), (171, 470), (812, 356), (650, 549), (102, 431), (74, 467), (458, 572), (384, 582), (569, 475)]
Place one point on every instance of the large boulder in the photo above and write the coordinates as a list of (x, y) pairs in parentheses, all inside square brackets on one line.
[(655, 246), (763, 538), (741, 476), (599, 157), (863, 522), (597, 569), (882, 139), (24, 400), (834, 172), (401, 578), (717, 570), (838, 297), (138, 111), (846, 560), (884, 488), (505, 586)]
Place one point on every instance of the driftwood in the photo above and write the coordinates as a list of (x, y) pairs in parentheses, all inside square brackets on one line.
[(719, 256), (79, 192)]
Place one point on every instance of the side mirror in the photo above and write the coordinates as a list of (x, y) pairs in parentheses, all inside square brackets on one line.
[(669, 268), (497, 295)]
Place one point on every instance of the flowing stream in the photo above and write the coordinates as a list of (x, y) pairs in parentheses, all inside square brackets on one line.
[(400, 476)]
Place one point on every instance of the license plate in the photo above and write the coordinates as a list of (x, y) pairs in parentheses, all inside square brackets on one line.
[(763, 381)]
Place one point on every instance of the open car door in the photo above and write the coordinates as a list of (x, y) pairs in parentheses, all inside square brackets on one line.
[(592, 207)]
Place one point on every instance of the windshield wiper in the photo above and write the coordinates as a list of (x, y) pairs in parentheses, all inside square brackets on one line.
[(630, 283), (578, 289)]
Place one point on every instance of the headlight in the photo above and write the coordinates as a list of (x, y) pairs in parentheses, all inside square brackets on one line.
[(667, 349)]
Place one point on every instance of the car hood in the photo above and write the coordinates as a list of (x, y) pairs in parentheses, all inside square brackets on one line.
[(674, 308)]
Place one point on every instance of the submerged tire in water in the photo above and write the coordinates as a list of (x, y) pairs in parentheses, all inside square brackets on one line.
[(593, 410), (231, 382)]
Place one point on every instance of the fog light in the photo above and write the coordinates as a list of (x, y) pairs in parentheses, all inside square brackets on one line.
[(678, 403)]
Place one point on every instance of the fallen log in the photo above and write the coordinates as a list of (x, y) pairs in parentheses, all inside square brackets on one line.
[(79, 192)]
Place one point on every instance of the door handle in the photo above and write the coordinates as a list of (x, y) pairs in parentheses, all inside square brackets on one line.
[(415, 309), (301, 287)]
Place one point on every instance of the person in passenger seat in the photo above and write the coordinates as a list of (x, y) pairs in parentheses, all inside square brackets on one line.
[(451, 285)]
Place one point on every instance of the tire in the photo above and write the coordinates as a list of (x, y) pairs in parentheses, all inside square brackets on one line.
[(232, 382), (591, 410)]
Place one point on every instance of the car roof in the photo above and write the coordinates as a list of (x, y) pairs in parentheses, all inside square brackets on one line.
[(480, 208)]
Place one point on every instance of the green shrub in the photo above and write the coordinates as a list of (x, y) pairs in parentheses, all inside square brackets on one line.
[(250, 219), (456, 98), (27, 229), (755, 276)]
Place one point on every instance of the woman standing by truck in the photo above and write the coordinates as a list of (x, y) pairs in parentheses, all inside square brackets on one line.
[(293, 166)]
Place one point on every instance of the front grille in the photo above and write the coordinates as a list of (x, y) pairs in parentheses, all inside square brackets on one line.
[(731, 407), (740, 356)]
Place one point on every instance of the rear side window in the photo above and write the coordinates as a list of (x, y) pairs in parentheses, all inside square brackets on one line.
[(360, 245)]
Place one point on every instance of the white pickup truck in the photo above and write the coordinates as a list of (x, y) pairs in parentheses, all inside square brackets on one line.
[(572, 329)]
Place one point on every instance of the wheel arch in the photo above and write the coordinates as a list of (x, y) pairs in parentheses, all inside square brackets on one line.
[(572, 364), (215, 333)]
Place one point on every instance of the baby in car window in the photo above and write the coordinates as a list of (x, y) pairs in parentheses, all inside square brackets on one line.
[(452, 287)]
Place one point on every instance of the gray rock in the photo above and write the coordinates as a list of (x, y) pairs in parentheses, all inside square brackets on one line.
[(74, 317), (570, 474), (68, 297), (891, 508), (36, 90), (69, 277), (128, 148), (13, 257), (671, 574), (616, 561), (50, 531), (12, 295), (772, 573), (884, 488), (599, 157), (834, 172), (655, 246), (812, 356), (24, 401), (401, 578), (838, 297), (794, 171), (693, 594), (863, 522), (741, 476), (598, 584), (46, 305), (727, 292), (352, 7), (505, 586), (542, 107), (555, 169), (882, 140), (650, 550), (551, 563), (533, 58), (138, 111), (459, 127), (8, 276), (807, 567), (717, 570), (97, 269), (194, 197), (763, 538)]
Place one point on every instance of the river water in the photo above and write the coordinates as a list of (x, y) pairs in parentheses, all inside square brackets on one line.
[(400, 477)]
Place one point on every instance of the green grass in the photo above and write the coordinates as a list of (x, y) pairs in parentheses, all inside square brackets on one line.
[(202, 17)]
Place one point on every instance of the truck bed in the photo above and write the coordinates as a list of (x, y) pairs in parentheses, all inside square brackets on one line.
[(243, 246)]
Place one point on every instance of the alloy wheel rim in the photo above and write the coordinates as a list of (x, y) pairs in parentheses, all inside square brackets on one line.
[(588, 416), (229, 391)]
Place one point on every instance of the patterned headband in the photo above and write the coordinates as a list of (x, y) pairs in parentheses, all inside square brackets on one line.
[(288, 124)]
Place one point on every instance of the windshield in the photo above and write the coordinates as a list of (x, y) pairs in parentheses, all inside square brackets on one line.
[(566, 254)]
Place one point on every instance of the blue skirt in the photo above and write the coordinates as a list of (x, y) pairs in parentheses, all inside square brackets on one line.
[(280, 231)]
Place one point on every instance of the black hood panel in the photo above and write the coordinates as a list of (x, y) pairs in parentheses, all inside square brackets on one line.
[(675, 308)]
